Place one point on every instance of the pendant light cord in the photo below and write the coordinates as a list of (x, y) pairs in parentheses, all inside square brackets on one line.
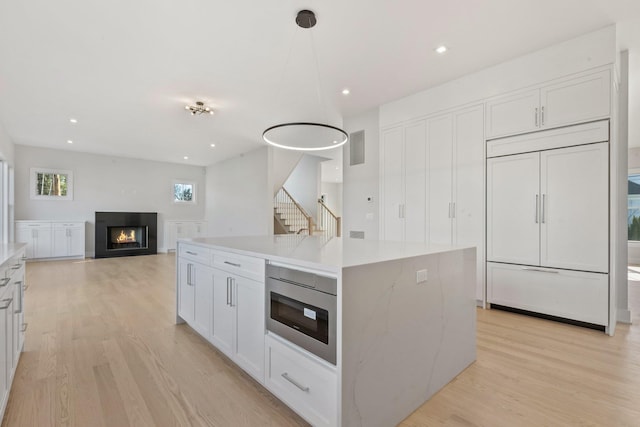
[(323, 106)]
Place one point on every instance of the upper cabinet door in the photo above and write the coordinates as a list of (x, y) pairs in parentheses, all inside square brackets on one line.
[(513, 203), (440, 137), (575, 207), (577, 100), (415, 182), (513, 114), (393, 184)]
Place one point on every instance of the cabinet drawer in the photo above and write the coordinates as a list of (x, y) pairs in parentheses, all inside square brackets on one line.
[(65, 225), (195, 253), (242, 265), (33, 225), (570, 294), (305, 385)]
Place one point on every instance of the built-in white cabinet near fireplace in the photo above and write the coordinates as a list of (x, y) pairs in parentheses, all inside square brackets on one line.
[(566, 101), (52, 239), (174, 230)]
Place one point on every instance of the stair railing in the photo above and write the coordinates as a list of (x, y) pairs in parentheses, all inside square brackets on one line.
[(328, 221), (296, 217)]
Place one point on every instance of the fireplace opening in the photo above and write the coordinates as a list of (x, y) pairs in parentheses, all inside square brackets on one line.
[(123, 237), (126, 233)]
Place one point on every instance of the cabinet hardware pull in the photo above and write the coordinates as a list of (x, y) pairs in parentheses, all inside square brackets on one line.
[(189, 274), (24, 327), (228, 279), (4, 281), (294, 382), (192, 253), (233, 264), (233, 285), (536, 116), (536, 208), (540, 270), (542, 115), (6, 303), (542, 210)]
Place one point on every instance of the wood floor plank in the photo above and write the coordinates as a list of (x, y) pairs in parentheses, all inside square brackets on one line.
[(102, 349)]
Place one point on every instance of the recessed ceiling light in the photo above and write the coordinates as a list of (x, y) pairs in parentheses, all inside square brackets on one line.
[(213, 145), (186, 157), (441, 49), (335, 142), (69, 141), (73, 120), (337, 168), (346, 91)]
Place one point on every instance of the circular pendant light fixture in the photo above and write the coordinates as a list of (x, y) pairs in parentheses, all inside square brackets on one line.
[(305, 136)]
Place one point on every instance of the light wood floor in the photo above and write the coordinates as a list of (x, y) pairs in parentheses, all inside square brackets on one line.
[(102, 350)]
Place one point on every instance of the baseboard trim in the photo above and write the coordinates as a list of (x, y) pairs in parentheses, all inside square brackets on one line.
[(624, 316)]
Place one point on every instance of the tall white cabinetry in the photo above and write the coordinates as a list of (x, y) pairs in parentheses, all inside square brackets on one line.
[(575, 99), (174, 230), (433, 182), (548, 222)]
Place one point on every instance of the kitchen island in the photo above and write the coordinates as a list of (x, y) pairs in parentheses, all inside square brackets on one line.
[(405, 320)]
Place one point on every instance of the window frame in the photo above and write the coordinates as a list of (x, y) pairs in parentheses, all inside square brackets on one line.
[(33, 179), (194, 188)]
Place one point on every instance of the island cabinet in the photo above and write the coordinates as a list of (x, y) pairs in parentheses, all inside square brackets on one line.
[(12, 326), (221, 296), (388, 296), (574, 99)]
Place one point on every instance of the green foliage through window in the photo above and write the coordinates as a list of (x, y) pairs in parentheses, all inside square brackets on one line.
[(51, 184), (183, 192)]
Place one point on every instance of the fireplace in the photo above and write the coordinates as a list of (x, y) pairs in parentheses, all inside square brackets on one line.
[(126, 234)]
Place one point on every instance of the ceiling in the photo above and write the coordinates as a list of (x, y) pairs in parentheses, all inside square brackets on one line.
[(126, 69)]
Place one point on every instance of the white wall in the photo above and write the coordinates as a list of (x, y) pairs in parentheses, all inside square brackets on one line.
[(304, 183), (105, 183), (6, 146), (361, 182), (240, 195), (590, 50), (283, 162), (332, 192)]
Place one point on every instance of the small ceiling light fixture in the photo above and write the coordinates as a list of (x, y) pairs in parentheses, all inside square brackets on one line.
[(213, 145), (306, 136), (199, 108), (346, 91), (186, 157), (441, 49), (73, 121), (69, 141)]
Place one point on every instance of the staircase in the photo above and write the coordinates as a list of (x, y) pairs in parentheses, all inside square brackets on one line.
[(289, 217)]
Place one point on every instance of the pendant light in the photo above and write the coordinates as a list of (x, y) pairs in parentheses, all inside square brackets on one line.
[(305, 136)]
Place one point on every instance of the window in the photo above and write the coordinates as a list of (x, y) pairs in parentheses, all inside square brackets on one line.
[(184, 192), (633, 206), (51, 184)]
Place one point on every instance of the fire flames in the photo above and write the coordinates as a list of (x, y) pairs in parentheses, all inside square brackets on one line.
[(126, 238)]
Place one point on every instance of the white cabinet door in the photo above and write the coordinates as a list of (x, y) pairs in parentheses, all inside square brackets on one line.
[(513, 232), (393, 153), (468, 186), (415, 178), (574, 211), (186, 292), (42, 244), (514, 113), (576, 100), (248, 301), (440, 137), (199, 229), (202, 279), (6, 352), (60, 242), (222, 332), (76, 241)]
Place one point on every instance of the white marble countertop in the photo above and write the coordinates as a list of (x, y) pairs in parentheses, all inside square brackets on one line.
[(8, 250), (320, 252)]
